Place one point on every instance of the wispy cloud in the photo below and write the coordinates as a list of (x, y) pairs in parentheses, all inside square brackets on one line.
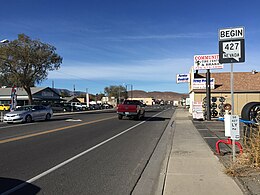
[(146, 70), (165, 36)]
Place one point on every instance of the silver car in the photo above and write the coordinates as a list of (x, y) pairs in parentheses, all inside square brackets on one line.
[(28, 114)]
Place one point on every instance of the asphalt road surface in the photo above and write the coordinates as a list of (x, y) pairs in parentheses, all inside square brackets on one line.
[(88, 153)]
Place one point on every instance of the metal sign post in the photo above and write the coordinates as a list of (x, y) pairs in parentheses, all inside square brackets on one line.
[(232, 50), (208, 95), (232, 108)]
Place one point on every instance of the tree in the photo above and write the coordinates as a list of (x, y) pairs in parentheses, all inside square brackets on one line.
[(116, 91), (25, 62)]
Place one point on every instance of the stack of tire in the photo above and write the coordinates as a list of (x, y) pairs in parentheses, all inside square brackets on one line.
[(214, 106), (204, 105), (222, 106)]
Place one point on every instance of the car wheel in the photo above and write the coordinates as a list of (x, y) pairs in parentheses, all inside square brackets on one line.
[(137, 117), (48, 117), (120, 117), (28, 119), (143, 115), (251, 112)]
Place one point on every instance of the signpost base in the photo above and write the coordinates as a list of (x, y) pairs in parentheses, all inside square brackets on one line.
[(228, 142)]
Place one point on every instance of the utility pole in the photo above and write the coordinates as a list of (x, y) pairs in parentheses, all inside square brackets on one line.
[(131, 91), (87, 98)]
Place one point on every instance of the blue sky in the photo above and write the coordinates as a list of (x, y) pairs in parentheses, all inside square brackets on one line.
[(144, 43)]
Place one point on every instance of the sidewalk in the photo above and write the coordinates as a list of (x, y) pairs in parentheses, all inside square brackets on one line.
[(192, 167)]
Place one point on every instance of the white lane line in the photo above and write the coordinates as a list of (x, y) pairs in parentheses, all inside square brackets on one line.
[(73, 158)]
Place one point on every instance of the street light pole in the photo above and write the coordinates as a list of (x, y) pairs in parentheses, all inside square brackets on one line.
[(131, 91), (87, 98), (131, 88)]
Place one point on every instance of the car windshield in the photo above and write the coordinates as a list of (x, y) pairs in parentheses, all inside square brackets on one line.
[(24, 108)]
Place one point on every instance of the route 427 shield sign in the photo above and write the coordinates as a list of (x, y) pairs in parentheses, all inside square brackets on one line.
[(231, 45)]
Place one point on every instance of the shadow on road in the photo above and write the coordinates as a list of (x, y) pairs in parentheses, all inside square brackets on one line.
[(26, 188), (155, 119)]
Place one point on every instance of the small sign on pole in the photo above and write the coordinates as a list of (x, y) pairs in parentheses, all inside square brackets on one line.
[(232, 129)]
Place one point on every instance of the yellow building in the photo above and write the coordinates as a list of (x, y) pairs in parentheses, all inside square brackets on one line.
[(246, 89), (147, 101)]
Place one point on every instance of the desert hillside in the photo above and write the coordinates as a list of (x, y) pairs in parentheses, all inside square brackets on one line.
[(158, 95)]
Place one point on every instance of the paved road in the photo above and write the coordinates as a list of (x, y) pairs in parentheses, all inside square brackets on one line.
[(91, 153)]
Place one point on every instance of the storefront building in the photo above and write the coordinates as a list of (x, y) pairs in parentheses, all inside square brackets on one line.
[(40, 95), (246, 89)]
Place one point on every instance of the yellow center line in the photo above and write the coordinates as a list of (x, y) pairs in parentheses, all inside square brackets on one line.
[(52, 131)]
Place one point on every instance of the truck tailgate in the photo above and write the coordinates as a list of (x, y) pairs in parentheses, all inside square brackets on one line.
[(126, 108)]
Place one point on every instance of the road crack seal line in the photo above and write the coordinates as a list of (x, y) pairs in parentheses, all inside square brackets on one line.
[(52, 131)]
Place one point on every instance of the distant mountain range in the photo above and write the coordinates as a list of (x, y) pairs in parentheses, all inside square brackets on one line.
[(158, 95), (69, 93), (137, 94)]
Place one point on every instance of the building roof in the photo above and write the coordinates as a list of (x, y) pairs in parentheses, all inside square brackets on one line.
[(21, 91), (243, 81), (71, 99)]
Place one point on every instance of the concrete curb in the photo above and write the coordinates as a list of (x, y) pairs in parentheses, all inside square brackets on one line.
[(153, 178)]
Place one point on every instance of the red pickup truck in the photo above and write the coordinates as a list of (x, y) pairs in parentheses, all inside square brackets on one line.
[(131, 108)]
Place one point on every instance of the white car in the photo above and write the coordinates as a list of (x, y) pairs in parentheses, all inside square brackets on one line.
[(28, 114)]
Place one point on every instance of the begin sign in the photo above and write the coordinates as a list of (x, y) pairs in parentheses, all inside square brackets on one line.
[(231, 45), (231, 33)]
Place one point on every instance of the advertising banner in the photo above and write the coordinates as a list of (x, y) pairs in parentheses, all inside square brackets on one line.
[(204, 62), (183, 78), (197, 110), (201, 83)]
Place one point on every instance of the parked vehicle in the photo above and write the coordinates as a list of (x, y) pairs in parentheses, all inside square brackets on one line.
[(94, 107), (76, 106), (84, 106), (131, 108), (28, 114), (4, 107), (106, 106), (61, 107)]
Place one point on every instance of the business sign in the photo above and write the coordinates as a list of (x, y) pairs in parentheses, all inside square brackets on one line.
[(183, 78), (197, 110), (232, 126), (201, 83), (203, 62), (232, 45)]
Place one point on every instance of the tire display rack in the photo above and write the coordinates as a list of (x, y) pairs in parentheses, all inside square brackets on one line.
[(218, 106)]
